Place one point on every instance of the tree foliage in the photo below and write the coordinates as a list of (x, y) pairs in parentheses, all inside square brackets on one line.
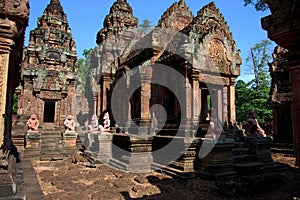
[(260, 5), (145, 26), (15, 103), (254, 95), (83, 65)]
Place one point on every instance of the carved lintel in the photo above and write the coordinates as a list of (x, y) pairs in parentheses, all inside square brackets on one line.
[(50, 95), (214, 79)]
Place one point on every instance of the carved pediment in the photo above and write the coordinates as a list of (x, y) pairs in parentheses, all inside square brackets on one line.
[(210, 30)]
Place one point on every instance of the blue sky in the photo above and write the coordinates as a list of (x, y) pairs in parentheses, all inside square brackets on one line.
[(86, 19)]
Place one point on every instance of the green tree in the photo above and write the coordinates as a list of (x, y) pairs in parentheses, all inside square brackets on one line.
[(260, 55), (260, 5), (145, 26), (15, 103), (243, 101), (83, 65), (254, 95)]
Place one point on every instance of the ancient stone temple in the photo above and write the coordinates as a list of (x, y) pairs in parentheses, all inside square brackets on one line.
[(281, 97), (187, 65), (214, 48), (105, 57), (284, 28), (49, 70)]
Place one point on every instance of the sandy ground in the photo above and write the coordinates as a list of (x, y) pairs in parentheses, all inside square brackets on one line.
[(72, 179)]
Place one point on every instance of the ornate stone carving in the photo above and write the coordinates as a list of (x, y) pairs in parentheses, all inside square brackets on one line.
[(177, 17), (119, 18), (216, 52), (209, 27)]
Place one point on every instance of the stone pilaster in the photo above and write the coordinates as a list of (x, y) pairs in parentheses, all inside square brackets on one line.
[(196, 101), (4, 61), (232, 100), (225, 104), (146, 75)]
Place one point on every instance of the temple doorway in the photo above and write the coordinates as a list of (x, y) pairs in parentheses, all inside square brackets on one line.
[(49, 111)]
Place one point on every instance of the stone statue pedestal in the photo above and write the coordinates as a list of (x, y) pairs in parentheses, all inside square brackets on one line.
[(69, 143), (32, 144), (132, 153), (89, 141), (261, 147), (219, 162), (176, 155), (105, 147)]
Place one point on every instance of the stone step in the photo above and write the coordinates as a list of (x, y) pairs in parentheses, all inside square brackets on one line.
[(244, 158), (240, 150), (283, 145), (248, 168), (116, 164), (169, 170), (284, 151)]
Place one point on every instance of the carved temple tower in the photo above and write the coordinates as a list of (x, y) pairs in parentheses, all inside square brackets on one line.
[(105, 57), (49, 69)]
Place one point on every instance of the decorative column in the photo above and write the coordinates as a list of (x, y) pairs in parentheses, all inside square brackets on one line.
[(102, 103), (232, 100), (146, 75), (225, 104), (186, 111), (220, 105), (4, 60), (195, 97)]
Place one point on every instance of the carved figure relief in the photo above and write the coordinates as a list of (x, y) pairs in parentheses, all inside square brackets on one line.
[(216, 52)]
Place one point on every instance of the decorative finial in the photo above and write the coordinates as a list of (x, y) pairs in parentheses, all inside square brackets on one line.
[(182, 2), (55, 2)]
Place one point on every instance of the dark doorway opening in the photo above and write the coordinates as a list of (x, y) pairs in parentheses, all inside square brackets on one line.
[(49, 111)]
